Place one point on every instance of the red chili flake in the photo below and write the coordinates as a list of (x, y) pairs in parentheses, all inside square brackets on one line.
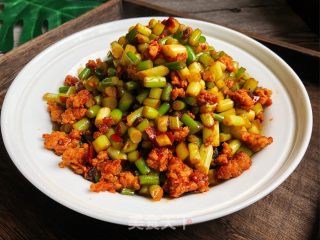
[(103, 128), (124, 118), (269, 102), (90, 153), (138, 120), (163, 35), (70, 80), (116, 138), (151, 131), (108, 121), (63, 99), (203, 46), (255, 99), (118, 129), (160, 55), (171, 136)]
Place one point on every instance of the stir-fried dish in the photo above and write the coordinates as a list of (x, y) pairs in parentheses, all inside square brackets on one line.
[(163, 114)]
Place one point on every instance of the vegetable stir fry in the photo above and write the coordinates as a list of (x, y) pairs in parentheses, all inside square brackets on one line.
[(164, 114)]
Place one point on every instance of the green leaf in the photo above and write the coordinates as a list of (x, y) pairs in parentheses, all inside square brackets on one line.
[(34, 14)]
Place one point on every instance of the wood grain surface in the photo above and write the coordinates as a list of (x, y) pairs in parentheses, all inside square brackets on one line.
[(290, 212)]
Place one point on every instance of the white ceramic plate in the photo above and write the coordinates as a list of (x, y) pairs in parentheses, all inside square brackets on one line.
[(24, 120)]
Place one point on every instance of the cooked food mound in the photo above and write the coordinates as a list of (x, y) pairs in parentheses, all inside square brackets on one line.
[(164, 114)]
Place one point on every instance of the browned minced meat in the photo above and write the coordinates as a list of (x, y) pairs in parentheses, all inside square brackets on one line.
[(75, 135), (94, 63), (170, 23), (177, 92), (180, 134), (182, 179), (59, 141), (225, 154), (55, 111), (111, 167), (70, 80), (186, 33), (264, 96), (235, 166), (177, 81), (260, 116), (71, 115), (255, 142), (227, 60), (206, 97), (241, 98), (229, 83), (75, 158), (78, 100), (154, 49), (207, 76), (102, 186), (132, 72), (201, 180), (158, 158), (128, 180), (109, 180), (111, 185), (101, 157)]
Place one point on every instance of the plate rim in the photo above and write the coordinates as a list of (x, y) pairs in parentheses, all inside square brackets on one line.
[(204, 217)]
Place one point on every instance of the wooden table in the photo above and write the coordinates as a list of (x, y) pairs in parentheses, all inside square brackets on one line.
[(289, 212)]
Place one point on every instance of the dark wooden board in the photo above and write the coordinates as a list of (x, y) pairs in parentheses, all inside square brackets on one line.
[(289, 212)]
